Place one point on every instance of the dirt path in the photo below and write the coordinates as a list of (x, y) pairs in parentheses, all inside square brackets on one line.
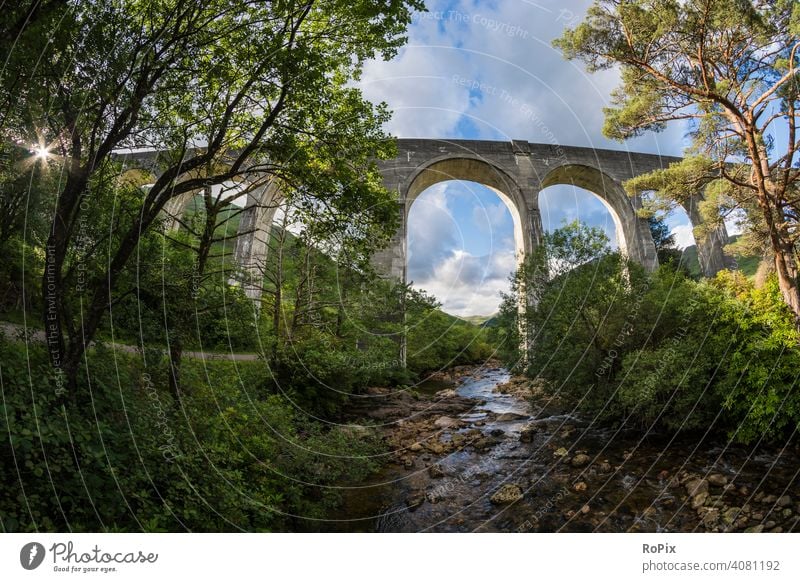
[(17, 331)]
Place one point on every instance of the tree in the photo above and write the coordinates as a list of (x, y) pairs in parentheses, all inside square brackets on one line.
[(731, 69), (558, 259), (663, 240), (228, 90)]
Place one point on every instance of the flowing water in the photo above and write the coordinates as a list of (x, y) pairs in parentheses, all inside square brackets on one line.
[(626, 482)]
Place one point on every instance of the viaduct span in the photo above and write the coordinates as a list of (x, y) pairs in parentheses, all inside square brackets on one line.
[(516, 171)]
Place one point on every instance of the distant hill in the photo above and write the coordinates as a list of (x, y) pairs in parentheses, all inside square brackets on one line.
[(477, 319)]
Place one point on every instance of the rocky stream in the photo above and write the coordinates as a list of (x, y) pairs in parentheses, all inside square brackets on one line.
[(475, 449)]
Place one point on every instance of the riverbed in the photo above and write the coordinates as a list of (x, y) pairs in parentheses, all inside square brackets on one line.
[(482, 451)]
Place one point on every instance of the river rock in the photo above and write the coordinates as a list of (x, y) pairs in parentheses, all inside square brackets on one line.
[(755, 529), (717, 480), (435, 472), (527, 434), (560, 452), (485, 443), (580, 486), (448, 393), (497, 432), (696, 487), (508, 493), (710, 516), (510, 417), (416, 447), (783, 501), (415, 499), (435, 447), (769, 499), (730, 515), (458, 439), (446, 422), (580, 460), (699, 500)]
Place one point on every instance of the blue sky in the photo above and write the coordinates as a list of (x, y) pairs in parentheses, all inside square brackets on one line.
[(487, 70)]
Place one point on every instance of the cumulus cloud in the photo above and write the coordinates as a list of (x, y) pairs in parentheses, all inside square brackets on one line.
[(433, 234), (470, 285), (440, 263), (683, 236)]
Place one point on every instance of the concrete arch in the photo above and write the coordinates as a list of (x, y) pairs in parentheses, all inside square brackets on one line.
[(471, 169), (633, 233)]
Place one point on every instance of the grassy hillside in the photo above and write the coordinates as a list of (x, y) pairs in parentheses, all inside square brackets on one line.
[(748, 264), (477, 319)]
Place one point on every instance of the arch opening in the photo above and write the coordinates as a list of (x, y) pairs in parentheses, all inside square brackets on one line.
[(631, 232), (463, 240), (561, 204)]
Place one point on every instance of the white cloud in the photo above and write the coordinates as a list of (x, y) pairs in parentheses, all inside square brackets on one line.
[(468, 285), (683, 236), (490, 217)]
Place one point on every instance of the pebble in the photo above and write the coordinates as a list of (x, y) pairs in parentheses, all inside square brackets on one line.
[(699, 500), (527, 434)]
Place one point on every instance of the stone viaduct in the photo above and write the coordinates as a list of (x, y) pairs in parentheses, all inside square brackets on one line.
[(516, 171)]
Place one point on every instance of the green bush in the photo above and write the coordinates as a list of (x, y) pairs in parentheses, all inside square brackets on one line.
[(660, 350), (225, 457)]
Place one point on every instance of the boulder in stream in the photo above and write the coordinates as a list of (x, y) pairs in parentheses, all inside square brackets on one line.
[(508, 493), (446, 422), (510, 417), (580, 460)]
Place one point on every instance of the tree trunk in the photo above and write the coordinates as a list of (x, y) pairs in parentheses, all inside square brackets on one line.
[(768, 199), (175, 353), (786, 269)]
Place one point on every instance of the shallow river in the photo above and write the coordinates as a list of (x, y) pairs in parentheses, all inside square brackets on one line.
[(568, 475)]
